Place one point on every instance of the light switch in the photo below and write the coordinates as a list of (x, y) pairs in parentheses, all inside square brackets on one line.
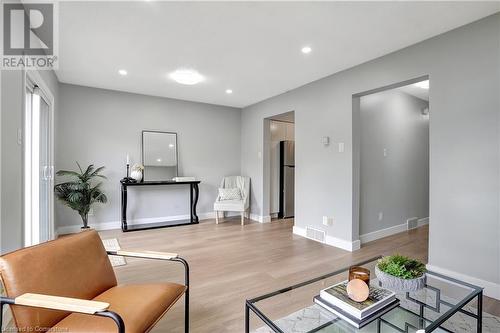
[(385, 152), (326, 140), (341, 147), (19, 136), (328, 221)]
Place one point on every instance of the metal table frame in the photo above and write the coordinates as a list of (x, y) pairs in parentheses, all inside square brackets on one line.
[(477, 292)]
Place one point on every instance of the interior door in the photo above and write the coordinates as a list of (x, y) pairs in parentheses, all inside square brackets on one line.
[(45, 173), (38, 168)]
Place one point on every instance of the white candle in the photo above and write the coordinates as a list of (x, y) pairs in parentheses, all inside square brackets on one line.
[(128, 159)]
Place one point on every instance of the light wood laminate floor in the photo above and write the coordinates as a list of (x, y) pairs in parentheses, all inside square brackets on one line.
[(230, 263)]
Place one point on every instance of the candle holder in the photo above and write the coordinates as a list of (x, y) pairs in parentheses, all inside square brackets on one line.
[(128, 179), (361, 273)]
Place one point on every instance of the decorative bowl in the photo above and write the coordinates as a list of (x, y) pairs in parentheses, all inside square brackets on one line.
[(397, 284), (136, 174)]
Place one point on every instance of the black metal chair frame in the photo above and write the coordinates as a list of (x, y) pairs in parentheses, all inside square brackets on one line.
[(113, 315)]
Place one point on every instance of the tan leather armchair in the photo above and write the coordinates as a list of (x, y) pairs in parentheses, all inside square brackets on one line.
[(68, 285)]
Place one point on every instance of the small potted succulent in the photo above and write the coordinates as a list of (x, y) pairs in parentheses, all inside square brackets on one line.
[(400, 273)]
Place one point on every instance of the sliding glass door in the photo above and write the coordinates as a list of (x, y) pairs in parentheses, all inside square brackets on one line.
[(38, 166)]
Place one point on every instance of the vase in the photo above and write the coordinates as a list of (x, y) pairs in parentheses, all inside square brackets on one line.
[(397, 284), (136, 174)]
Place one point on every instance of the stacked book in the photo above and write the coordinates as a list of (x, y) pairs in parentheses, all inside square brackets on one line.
[(358, 314), (184, 179)]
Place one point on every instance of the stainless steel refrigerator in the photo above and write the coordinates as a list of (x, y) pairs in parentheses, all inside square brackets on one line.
[(287, 179)]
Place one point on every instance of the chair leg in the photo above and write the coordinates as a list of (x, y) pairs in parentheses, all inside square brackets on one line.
[(243, 218), (186, 312), (216, 217)]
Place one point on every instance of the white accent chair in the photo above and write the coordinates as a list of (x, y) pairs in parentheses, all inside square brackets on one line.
[(241, 182)]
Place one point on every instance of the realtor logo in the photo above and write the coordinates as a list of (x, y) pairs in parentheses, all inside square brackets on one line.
[(28, 36)]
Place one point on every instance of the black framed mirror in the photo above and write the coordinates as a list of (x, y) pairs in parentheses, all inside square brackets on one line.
[(159, 155)]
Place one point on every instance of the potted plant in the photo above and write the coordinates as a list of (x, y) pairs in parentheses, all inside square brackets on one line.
[(400, 273), (81, 192)]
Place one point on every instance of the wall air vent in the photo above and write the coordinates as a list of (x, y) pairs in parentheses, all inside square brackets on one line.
[(315, 234), (412, 223)]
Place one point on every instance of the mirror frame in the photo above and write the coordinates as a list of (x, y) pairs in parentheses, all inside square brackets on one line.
[(142, 153)]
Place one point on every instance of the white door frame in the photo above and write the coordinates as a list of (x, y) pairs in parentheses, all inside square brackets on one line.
[(30, 230)]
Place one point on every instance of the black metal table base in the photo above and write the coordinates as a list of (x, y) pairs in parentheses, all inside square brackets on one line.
[(424, 323), (193, 200)]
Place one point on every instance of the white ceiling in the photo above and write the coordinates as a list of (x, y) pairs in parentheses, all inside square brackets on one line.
[(418, 92), (251, 48), (288, 117)]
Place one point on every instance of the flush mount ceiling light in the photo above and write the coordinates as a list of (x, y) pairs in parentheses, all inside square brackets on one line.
[(229, 91), (422, 84), (186, 76), (122, 72), (306, 49)]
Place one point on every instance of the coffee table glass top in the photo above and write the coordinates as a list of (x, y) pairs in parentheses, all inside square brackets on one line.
[(292, 309)]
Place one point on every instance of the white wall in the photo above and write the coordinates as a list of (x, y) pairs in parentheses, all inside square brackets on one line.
[(463, 66), (394, 177), (101, 126), (11, 228)]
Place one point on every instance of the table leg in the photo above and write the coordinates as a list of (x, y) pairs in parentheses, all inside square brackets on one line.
[(480, 312), (191, 187), (124, 208), (247, 319), (195, 201), (422, 318)]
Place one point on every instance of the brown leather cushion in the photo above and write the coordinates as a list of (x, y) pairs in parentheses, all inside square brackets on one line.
[(140, 307), (73, 266)]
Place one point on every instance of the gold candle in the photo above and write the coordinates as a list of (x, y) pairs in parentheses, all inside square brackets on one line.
[(361, 273)]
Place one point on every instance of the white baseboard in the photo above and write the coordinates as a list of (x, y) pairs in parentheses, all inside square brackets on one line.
[(374, 235), (71, 229), (260, 218), (330, 240), (343, 244), (423, 221), (491, 289), (299, 231)]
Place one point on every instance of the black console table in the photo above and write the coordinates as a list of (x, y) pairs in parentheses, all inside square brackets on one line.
[(193, 200)]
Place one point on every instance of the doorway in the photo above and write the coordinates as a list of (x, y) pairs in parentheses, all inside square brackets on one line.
[(392, 139), (282, 165), (38, 161)]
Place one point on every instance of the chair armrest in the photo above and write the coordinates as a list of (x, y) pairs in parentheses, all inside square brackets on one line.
[(61, 303), (147, 254)]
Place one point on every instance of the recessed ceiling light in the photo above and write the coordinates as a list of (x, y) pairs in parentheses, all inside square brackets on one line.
[(229, 91), (186, 76), (306, 49), (122, 72), (423, 84)]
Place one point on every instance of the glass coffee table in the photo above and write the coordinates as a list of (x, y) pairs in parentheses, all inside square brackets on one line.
[(444, 305)]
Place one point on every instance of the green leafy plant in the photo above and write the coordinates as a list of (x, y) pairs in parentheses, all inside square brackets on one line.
[(81, 191), (401, 267)]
